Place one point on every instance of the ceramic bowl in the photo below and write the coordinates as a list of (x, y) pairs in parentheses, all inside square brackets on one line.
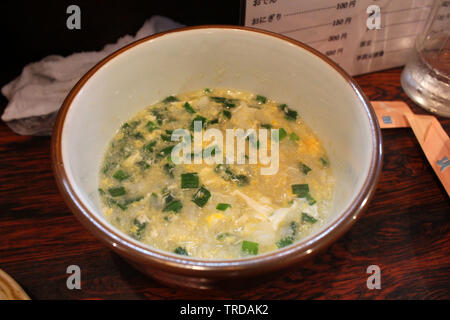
[(150, 69)]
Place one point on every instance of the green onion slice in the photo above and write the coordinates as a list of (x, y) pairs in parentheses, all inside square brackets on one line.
[(189, 180), (250, 247), (223, 206), (307, 218), (201, 197), (117, 191)]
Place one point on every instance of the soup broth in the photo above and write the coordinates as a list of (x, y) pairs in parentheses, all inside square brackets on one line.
[(215, 210)]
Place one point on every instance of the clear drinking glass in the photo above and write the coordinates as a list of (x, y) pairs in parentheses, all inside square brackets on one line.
[(426, 76)]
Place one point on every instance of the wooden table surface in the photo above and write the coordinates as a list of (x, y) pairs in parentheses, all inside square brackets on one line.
[(405, 231)]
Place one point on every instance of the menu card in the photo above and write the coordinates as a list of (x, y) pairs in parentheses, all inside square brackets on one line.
[(360, 35)]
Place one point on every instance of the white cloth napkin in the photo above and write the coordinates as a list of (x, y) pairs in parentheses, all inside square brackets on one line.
[(37, 94)]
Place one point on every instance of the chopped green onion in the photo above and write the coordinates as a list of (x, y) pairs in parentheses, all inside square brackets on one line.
[(228, 175), (189, 180), (101, 192), (307, 218), (137, 135), (151, 126), (143, 165), (170, 99), (140, 228), (294, 137), (181, 251), (250, 247), (130, 201), (261, 99), (301, 190), (168, 168), (159, 117), (165, 137), (174, 206), (117, 191), (124, 204), (107, 167), (167, 196), (213, 121), (165, 151), (267, 126), (218, 99), (120, 175), (117, 203), (132, 125), (241, 179), (201, 197), (304, 168), (223, 206), (285, 242), (289, 239), (227, 103), (207, 90), (283, 107), (293, 225), (324, 161), (124, 151), (282, 134), (310, 199), (289, 114), (227, 114), (149, 146), (188, 108)]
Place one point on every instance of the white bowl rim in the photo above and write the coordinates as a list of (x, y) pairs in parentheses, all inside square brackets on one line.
[(144, 253)]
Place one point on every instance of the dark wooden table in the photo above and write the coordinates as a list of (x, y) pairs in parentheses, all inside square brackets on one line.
[(405, 231)]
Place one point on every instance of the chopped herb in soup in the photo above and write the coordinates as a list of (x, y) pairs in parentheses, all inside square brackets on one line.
[(210, 209)]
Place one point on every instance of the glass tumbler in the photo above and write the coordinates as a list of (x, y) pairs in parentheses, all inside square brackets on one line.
[(426, 76)]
